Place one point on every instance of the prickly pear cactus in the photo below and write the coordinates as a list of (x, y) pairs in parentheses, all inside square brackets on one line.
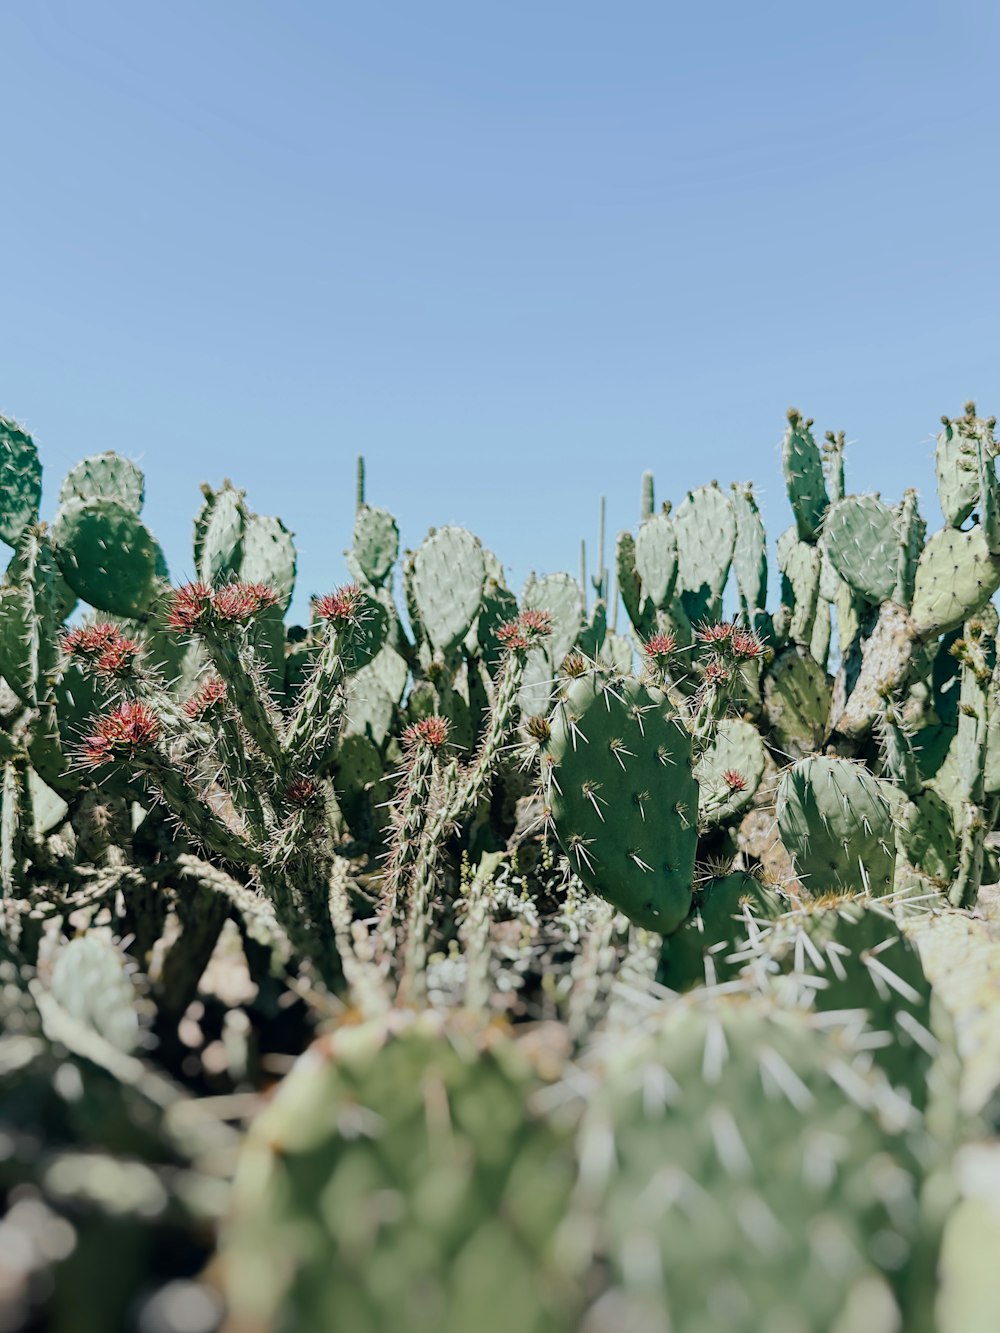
[(401, 1180), (617, 777), (729, 1169), (20, 481), (837, 823)]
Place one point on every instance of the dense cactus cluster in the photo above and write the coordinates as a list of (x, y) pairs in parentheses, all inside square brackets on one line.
[(614, 975)]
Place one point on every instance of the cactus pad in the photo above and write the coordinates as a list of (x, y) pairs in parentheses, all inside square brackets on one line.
[(623, 797), (836, 823), (106, 476), (108, 556), (861, 540), (447, 577)]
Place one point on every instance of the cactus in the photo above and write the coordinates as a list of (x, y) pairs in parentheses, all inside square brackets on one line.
[(860, 539), (796, 695), (360, 812), (804, 481), (617, 778), (729, 771), (846, 954), (956, 577), (911, 531), (800, 564), (20, 481), (837, 825), (976, 651), (656, 559), (106, 476), (957, 464), (688, 1183), (431, 1113), (376, 543), (711, 946), (705, 528), (108, 556), (89, 980), (749, 552), (446, 581)]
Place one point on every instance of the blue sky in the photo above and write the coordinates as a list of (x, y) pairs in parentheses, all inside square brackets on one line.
[(513, 253)]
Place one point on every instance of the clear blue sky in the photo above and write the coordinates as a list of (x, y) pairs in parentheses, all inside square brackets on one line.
[(513, 252)]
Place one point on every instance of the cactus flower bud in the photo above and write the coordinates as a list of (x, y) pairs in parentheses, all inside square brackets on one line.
[(123, 733), (341, 607)]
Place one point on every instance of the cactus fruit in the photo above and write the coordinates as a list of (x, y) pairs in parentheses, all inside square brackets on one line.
[(837, 824), (617, 777)]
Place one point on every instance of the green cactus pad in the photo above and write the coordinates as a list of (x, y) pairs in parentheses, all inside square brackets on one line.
[(731, 1150), (962, 960), (705, 527), (802, 465), (269, 557), (561, 596), (623, 797), (219, 536), (15, 642), (927, 837), (447, 577), (836, 823), (400, 1179), (796, 697), (750, 551), (20, 481), (848, 954), (375, 546), (106, 476), (956, 575), (638, 607), (90, 981), (957, 476), (800, 563), (656, 559), (860, 538), (738, 749), (369, 707), (711, 946), (108, 556), (911, 531)]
